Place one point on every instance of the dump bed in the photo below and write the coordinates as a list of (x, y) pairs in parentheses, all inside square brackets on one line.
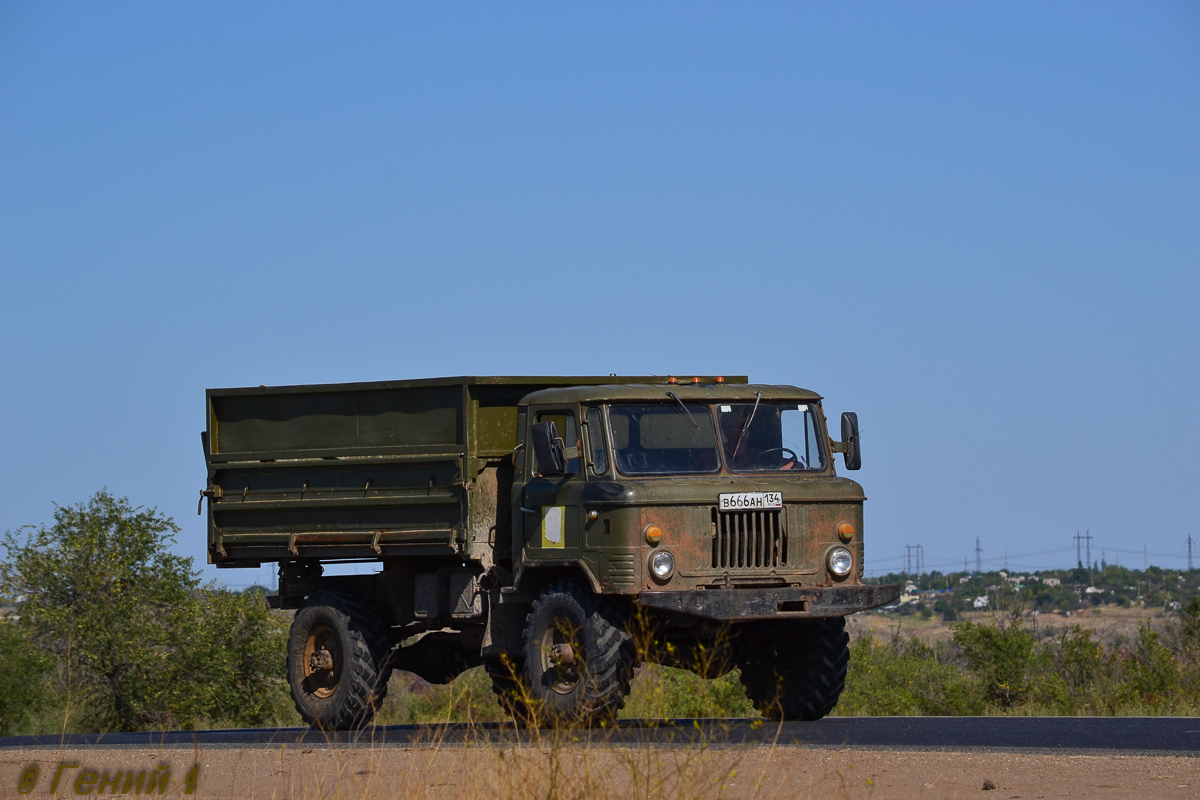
[(366, 470)]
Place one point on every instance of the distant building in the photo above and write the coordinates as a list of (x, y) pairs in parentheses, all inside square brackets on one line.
[(1052, 581), (1093, 590), (980, 602), (963, 580)]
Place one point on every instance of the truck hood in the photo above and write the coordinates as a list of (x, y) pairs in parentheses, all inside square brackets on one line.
[(704, 490)]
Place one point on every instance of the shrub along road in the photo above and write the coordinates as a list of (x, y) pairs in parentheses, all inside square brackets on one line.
[(1126, 735)]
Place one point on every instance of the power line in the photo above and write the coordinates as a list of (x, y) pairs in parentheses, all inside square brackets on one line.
[(914, 559), (978, 556), (1189, 543), (899, 560), (1035, 560)]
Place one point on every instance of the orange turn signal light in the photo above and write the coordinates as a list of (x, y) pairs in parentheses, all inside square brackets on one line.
[(672, 379), (846, 531), (695, 380), (653, 534)]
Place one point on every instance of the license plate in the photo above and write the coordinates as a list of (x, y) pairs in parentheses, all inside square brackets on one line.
[(741, 501)]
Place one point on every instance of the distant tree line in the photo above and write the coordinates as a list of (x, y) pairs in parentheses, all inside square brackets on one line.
[(950, 594)]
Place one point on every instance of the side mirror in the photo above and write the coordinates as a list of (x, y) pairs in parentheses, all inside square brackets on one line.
[(851, 451), (548, 449)]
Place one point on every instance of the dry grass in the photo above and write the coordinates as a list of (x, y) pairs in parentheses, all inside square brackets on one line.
[(541, 764), (1110, 623), (550, 770)]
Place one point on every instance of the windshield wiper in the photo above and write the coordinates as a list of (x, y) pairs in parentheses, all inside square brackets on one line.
[(691, 419), (746, 425)]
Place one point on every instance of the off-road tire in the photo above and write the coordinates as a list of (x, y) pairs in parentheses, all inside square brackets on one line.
[(506, 673), (605, 660), (795, 670), (362, 668)]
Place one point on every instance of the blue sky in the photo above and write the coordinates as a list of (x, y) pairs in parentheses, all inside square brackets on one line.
[(977, 225)]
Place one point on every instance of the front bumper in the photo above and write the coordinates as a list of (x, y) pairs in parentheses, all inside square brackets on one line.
[(782, 603)]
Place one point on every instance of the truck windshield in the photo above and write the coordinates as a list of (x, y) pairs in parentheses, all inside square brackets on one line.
[(773, 437), (666, 439)]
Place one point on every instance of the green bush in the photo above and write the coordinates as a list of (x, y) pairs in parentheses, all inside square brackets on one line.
[(1003, 657), (135, 641), (904, 678), (669, 692), (467, 698), (232, 671), (658, 692), (1151, 671), (27, 674)]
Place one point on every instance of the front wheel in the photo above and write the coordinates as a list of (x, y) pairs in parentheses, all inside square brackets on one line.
[(796, 669), (337, 661), (507, 676), (577, 658)]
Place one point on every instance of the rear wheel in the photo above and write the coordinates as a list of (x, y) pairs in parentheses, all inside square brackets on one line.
[(795, 669), (337, 661), (577, 658)]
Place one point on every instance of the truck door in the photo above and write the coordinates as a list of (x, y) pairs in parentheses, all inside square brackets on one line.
[(552, 505)]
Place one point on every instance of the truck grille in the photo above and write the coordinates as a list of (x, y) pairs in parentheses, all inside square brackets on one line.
[(748, 539)]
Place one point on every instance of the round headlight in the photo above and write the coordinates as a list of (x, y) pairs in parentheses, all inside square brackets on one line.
[(662, 564), (840, 561)]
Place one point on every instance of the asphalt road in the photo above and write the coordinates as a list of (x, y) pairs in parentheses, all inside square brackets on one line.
[(1127, 735)]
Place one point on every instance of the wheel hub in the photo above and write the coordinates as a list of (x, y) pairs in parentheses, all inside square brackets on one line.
[(562, 655), (322, 661), (560, 661)]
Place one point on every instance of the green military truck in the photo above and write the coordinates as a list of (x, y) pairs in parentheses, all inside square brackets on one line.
[(556, 530)]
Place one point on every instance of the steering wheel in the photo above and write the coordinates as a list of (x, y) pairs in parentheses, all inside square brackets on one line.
[(792, 458)]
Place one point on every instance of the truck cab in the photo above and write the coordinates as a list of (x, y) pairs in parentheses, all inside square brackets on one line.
[(687, 488)]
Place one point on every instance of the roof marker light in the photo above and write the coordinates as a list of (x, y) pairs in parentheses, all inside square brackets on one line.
[(672, 379), (695, 380), (720, 379)]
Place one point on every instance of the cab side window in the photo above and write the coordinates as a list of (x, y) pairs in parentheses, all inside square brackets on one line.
[(568, 429), (595, 435)]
